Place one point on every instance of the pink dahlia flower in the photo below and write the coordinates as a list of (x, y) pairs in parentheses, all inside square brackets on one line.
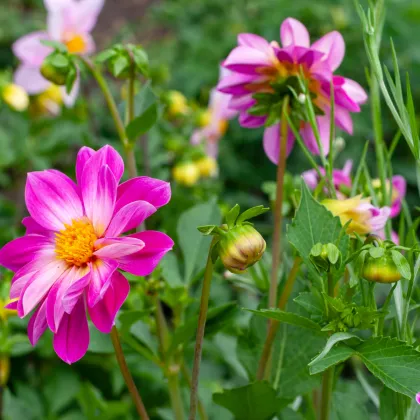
[(341, 178), (68, 263), (69, 22), (263, 72), (218, 115), (399, 187)]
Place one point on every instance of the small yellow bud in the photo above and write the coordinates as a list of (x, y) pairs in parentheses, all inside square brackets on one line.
[(204, 118), (49, 101), (207, 166), (16, 97), (178, 104), (241, 247), (186, 174)]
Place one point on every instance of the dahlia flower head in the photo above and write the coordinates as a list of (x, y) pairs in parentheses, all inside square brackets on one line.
[(69, 22), (218, 115), (263, 73), (70, 261)]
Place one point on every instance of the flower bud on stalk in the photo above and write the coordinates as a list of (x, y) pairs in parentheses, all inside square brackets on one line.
[(238, 244), (240, 248), (57, 67)]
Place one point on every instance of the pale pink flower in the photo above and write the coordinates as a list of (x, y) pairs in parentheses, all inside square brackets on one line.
[(68, 263), (260, 67), (219, 114), (69, 22)]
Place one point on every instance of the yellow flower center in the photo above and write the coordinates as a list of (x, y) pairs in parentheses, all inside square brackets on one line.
[(76, 44), (75, 243)]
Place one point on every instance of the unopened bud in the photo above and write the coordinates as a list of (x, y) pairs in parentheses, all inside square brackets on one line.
[(186, 174), (54, 74), (302, 98), (15, 97), (241, 247), (207, 166)]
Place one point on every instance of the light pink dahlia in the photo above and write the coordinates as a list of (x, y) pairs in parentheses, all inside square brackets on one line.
[(69, 22), (68, 263), (218, 115), (263, 73)]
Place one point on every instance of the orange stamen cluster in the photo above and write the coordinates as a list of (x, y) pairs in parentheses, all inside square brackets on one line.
[(76, 44), (75, 243)]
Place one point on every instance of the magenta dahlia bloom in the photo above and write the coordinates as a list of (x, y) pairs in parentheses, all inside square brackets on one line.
[(69, 22), (263, 73), (68, 263)]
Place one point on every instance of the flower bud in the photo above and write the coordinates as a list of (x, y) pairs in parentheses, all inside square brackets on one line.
[(177, 104), (207, 166), (56, 75), (381, 270), (16, 97), (241, 247), (186, 173)]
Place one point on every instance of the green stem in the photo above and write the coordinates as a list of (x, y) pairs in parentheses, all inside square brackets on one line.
[(141, 410), (204, 304), (328, 377), (200, 406), (273, 326), (175, 395), (278, 216)]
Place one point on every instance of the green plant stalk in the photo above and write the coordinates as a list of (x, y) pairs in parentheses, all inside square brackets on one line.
[(119, 125), (273, 326), (138, 402), (328, 377), (171, 371), (129, 149), (278, 216), (204, 304), (200, 406)]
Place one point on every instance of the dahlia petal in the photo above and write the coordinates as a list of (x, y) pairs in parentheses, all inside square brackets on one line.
[(12, 305), (100, 277), (20, 251), (293, 32), (379, 218), (241, 103), (100, 208), (311, 178), (38, 323), (251, 121), (235, 84), (129, 217), (85, 153), (399, 185), (30, 79), (104, 312), (29, 49), (246, 60), (117, 247), (52, 200), (72, 339), (34, 227), (333, 46), (39, 285), (354, 91), (69, 99), (73, 293), (142, 263), (309, 138), (342, 99), (85, 14), (271, 142), (55, 307), (253, 41), (343, 119), (144, 188)]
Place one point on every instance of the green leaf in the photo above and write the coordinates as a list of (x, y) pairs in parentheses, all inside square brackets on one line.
[(141, 59), (121, 63), (312, 302), (287, 317), (170, 270), (206, 230), (99, 342), (314, 224), (142, 123), (250, 213), (376, 252), (393, 362), (387, 404), (251, 402), (333, 253), (54, 44), (105, 55), (127, 318), (232, 215), (59, 60), (217, 318), (71, 78), (349, 402), (193, 244), (328, 357), (402, 264)]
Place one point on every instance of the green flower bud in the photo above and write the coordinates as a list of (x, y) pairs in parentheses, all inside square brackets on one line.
[(56, 68), (241, 247), (325, 256), (381, 270)]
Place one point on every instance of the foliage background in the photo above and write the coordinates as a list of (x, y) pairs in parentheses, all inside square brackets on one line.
[(186, 40)]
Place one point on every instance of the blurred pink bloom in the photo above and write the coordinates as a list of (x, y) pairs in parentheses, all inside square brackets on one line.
[(257, 66), (69, 22), (68, 262), (341, 177), (418, 397), (399, 187), (219, 114)]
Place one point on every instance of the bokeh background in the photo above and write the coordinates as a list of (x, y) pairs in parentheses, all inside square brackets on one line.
[(186, 40)]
